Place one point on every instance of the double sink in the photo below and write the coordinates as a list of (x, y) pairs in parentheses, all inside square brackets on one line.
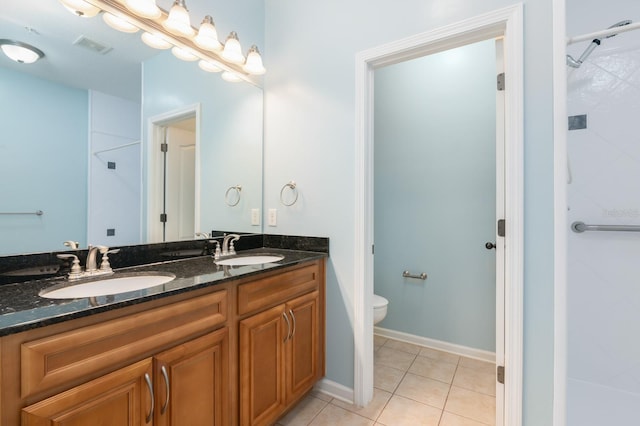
[(125, 282)]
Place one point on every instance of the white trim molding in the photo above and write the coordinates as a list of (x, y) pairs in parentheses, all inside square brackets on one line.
[(507, 23), (560, 214), (436, 344)]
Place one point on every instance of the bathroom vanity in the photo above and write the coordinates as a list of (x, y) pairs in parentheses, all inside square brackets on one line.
[(215, 346)]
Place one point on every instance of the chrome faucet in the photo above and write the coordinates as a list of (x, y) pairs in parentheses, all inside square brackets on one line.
[(227, 244), (91, 265)]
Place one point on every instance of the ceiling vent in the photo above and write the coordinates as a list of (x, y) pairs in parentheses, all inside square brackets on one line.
[(92, 45)]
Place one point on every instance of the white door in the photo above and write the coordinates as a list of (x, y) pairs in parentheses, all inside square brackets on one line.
[(179, 194)]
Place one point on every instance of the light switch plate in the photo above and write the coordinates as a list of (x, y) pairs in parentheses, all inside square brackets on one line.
[(273, 217), (255, 216)]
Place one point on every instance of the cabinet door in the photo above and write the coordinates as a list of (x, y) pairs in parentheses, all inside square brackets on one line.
[(262, 393), (192, 381), (121, 398), (302, 349)]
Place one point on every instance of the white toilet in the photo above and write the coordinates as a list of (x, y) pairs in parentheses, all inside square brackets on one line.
[(379, 308)]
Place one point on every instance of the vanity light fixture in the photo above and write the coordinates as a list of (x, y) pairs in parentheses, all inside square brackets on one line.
[(209, 66), (145, 8), (231, 77), (253, 65), (232, 50), (118, 23), (178, 21), (81, 8), (173, 30), (155, 41), (183, 54), (207, 37), (20, 52)]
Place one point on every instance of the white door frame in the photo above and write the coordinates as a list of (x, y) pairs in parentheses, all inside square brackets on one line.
[(506, 22), (155, 137)]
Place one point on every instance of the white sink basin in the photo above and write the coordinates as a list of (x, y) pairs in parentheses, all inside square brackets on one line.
[(249, 260), (108, 285)]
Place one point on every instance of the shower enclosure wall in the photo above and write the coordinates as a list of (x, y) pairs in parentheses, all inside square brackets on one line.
[(603, 310)]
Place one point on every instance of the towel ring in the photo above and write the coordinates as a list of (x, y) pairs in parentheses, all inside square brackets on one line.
[(233, 190), (292, 186)]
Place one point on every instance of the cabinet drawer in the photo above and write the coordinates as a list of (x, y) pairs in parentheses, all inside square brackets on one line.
[(71, 356), (260, 294)]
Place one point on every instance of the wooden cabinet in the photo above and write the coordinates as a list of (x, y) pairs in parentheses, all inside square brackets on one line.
[(121, 398), (282, 351), (191, 382), (240, 353), (186, 386)]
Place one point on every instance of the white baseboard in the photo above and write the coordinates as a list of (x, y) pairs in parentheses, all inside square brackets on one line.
[(436, 344), (334, 390)]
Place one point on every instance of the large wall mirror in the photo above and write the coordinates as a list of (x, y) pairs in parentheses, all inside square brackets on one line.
[(83, 130)]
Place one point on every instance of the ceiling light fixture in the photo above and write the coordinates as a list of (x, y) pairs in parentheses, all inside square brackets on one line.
[(145, 8), (120, 24), (156, 41), (81, 8), (20, 52), (207, 37), (232, 50), (178, 21)]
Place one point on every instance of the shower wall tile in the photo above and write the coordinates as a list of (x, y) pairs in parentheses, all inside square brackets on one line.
[(603, 267)]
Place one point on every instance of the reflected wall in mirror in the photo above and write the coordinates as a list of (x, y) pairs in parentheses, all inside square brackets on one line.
[(84, 152)]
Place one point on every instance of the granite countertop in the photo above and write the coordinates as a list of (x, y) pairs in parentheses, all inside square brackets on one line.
[(21, 307)]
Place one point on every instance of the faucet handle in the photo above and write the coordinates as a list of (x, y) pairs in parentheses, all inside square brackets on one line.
[(73, 245), (105, 266), (76, 270), (216, 254)]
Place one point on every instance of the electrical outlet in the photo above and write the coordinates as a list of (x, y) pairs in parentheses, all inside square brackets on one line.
[(255, 216), (273, 217)]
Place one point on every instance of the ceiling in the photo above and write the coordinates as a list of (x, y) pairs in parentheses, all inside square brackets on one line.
[(47, 25)]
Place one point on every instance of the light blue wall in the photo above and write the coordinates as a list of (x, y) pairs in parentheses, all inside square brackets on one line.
[(434, 194), (230, 138), (310, 131), (43, 135)]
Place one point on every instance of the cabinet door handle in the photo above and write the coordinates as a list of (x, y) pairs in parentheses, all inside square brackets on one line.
[(153, 404), (167, 387), (293, 317), (286, 318)]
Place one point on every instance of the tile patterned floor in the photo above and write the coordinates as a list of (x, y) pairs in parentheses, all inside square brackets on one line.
[(413, 386)]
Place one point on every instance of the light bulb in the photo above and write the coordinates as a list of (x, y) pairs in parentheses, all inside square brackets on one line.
[(119, 24), (178, 21), (254, 62), (183, 54), (155, 41), (81, 8), (231, 77), (145, 8), (232, 50), (207, 37), (209, 66)]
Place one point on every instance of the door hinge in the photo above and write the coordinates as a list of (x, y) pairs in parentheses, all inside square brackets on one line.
[(163, 217), (164, 147), (500, 81), (500, 374), (501, 227)]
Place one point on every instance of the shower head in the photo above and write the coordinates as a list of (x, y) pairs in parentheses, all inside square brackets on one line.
[(575, 63)]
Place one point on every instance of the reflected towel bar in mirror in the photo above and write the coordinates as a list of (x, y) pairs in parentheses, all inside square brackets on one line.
[(580, 227), (37, 213)]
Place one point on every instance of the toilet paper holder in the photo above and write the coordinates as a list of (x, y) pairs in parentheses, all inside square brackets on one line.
[(407, 274)]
